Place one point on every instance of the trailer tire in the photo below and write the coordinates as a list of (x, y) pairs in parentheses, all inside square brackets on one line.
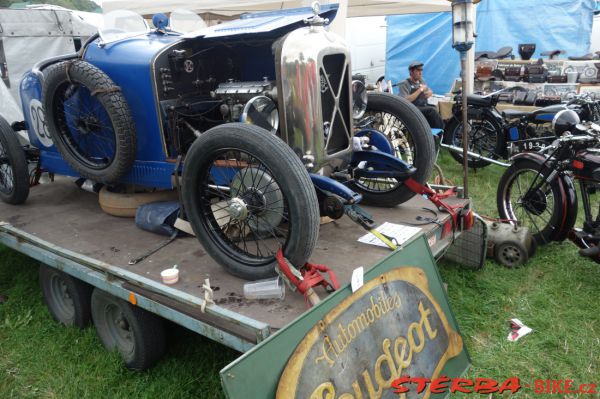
[(138, 335), (14, 174), (89, 120), (67, 298)]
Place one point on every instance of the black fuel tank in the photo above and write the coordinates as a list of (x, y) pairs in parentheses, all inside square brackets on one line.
[(546, 114)]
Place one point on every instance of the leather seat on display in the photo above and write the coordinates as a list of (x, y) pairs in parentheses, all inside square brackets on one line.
[(504, 52), (552, 54), (587, 57)]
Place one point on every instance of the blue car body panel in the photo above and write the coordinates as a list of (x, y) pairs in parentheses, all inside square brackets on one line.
[(129, 63)]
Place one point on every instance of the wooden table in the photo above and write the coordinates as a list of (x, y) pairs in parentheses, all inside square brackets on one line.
[(445, 108)]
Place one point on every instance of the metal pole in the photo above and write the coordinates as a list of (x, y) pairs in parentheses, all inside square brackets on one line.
[(465, 120)]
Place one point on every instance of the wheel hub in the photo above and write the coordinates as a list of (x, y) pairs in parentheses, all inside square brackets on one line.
[(255, 199), (88, 124), (535, 202), (238, 209), (122, 324), (261, 197), (511, 256)]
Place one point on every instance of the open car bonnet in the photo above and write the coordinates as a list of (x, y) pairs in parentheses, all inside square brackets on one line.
[(263, 22)]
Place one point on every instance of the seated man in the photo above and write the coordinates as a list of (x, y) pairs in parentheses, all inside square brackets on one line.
[(416, 91)]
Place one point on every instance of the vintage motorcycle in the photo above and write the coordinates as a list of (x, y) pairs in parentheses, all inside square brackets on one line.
[(495, 135), (257, 121), (538, 190)]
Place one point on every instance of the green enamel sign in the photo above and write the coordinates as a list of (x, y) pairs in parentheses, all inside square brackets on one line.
[(354, 345)]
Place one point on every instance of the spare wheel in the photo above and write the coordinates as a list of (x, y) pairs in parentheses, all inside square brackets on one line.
[(89, 120)]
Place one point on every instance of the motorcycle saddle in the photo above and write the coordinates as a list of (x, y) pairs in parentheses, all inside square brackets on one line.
[(552, 54), (504, 52), (514, 113), (483, 54), (479, 101), (587, 57)]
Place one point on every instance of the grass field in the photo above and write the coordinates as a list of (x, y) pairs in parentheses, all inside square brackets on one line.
[(556, 294)]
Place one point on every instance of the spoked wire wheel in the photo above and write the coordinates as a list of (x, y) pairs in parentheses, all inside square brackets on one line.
[(402, 144), (526, 198), (7, 177), (14, 174), (247, 195), (485, 139), (86, 129), (249, 215), (397, 132), (89, 121), (412, 141)]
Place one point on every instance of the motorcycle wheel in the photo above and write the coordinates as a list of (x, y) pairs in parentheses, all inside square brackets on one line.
[(486, 138), (247, 194), (411, 138), (540, 210), (89, 121), (14, 174)]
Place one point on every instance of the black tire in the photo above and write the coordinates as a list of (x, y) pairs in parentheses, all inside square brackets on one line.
[(138, 335), (408, 131), (67, 298), (277, 209), (486, 138), (89, 121), (14, 174), (542, 211)]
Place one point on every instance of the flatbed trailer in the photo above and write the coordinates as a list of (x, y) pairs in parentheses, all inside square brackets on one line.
[(63, 227)]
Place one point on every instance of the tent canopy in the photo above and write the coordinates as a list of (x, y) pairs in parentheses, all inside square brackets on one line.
[(356, 8), (555, 24)]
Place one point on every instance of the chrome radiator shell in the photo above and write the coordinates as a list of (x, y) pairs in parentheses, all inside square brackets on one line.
[(314, 94)]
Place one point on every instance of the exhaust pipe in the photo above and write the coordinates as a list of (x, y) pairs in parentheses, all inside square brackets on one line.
[(474, 155)]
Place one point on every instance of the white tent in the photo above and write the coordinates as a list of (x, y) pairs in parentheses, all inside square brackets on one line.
[(31, 35), (356, 8)]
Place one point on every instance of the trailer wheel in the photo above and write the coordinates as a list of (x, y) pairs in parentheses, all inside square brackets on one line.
[(89, 121), (14, 175), (67, 298), (137, 334)]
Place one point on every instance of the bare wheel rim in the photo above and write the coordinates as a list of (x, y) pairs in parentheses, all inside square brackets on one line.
[(85, 126), (7, 178), (482, 137), (62, 302), (402, 143), (244, 208), (511, 255), (119, 329), (532, 209)]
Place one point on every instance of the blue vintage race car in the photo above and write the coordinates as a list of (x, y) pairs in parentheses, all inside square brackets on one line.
[(257, 120)]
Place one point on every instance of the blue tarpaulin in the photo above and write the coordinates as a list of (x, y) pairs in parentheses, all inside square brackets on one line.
[(551, 24)]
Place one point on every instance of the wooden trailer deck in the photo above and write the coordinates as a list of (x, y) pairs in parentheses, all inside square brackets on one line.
[(64, 226)]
